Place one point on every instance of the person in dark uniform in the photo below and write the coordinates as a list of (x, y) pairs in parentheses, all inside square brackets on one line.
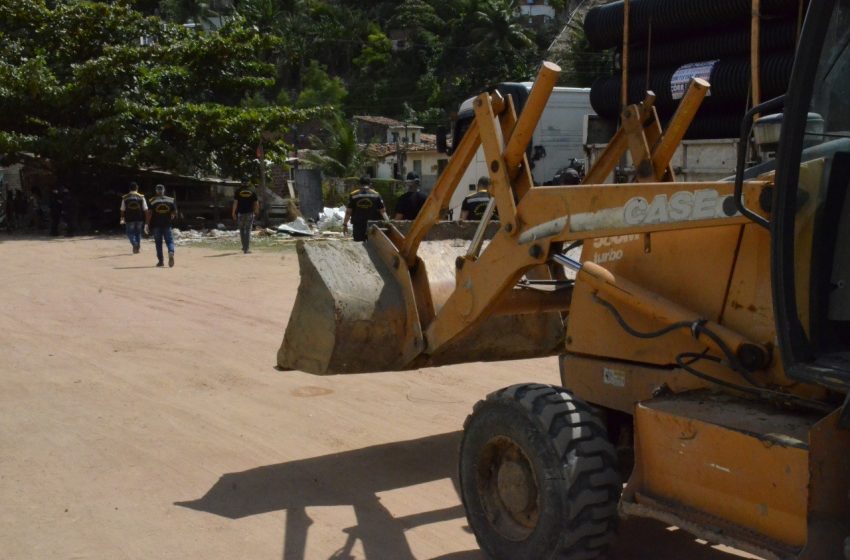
[(365, 204), (570, 177), (11, 210), (69, 212), (22, 210), (134, 212), (474, 205), (162, 214), (55, 204), (410, 203), (246, 206)]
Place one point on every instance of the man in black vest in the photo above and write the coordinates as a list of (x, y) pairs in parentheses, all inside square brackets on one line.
[(410, 203), (246, 206), (365, 204), (474, 205), (163, 211), (134, 212)]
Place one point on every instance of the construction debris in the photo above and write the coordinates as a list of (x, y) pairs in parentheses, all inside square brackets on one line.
[(297, 227)]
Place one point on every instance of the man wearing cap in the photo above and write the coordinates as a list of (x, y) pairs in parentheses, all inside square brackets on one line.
[(364, 204), (246, 206), (163, 211), (410, 203), (134, 211), (474, 205)]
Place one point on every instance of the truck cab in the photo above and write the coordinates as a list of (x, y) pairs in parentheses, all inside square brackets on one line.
[(557, 140)]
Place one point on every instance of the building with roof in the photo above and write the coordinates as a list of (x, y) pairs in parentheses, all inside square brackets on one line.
[(399, 148)]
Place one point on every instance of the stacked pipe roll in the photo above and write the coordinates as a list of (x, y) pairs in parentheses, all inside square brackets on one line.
[(672, 40)]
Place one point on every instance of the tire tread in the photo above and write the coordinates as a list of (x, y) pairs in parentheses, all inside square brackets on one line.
[(589, 464)]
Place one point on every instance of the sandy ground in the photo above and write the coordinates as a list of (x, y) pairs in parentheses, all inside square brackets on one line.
[(141, 417)]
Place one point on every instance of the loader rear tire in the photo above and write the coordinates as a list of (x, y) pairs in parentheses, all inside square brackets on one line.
[(538, 476)]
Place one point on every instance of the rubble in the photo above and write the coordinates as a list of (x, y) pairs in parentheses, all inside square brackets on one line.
[(331, 218), (285, 233), (297, 227)]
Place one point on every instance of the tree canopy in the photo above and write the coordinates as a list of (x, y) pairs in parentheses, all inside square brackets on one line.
[(90, 83), (141, 83)]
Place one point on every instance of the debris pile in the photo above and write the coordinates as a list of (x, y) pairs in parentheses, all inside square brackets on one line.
[(331, 219), (297, 227)]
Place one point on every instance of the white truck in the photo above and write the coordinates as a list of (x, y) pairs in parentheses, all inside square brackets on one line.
[(557, 140), (569, 132)]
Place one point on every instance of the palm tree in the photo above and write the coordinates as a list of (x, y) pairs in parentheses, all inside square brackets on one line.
[(497, 24), (338, 155)]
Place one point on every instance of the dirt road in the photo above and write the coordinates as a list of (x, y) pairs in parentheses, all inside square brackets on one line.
[(141, 417)]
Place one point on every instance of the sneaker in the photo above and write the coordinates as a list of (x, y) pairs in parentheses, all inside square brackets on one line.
[(170, 259), (247, 251), (159, 263), (135, 249)]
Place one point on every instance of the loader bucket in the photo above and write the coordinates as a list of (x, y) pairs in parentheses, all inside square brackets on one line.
[(350, 316)]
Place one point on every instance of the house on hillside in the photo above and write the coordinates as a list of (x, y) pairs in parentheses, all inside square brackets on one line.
[(400, 148), (537, 12)]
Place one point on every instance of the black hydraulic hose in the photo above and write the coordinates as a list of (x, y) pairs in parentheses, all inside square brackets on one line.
[(636, 333), (696, 327), (769, 394)]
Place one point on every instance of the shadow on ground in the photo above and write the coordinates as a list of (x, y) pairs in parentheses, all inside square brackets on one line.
[(354, 478)]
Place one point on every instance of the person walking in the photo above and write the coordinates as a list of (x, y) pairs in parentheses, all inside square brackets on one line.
[(474, 205), (134, 213), (364, 204), (69, 211), (162, 213), (410, 203), (55, 206), (246, 207), (11, 210), (22, 210)]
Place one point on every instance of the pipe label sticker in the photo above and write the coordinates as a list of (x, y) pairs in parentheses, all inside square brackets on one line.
[(682, 77)]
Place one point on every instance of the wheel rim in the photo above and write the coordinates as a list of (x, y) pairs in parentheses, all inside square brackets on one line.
[(508, 489)]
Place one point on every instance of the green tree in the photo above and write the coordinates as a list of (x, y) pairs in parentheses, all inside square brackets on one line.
[(486, 44), (496, 25), (581, 64), (320, 88), (338, 154), (85, 84)]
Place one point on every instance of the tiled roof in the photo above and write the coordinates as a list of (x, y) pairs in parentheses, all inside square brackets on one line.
[(384, 121), (384, 150)]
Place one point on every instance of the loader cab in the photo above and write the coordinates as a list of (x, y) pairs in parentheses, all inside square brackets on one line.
[(810, 221)]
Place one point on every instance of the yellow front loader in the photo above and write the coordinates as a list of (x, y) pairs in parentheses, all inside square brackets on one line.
[(703, 328)]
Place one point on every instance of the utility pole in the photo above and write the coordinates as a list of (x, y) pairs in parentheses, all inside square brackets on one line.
[(404, 154)]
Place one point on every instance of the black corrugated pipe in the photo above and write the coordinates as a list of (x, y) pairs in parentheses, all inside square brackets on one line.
[(729, 78), (707, 125), (776, 35), (603, 25)]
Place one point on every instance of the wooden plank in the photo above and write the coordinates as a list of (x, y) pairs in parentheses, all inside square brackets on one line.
[(755, 59), (682, 118)]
